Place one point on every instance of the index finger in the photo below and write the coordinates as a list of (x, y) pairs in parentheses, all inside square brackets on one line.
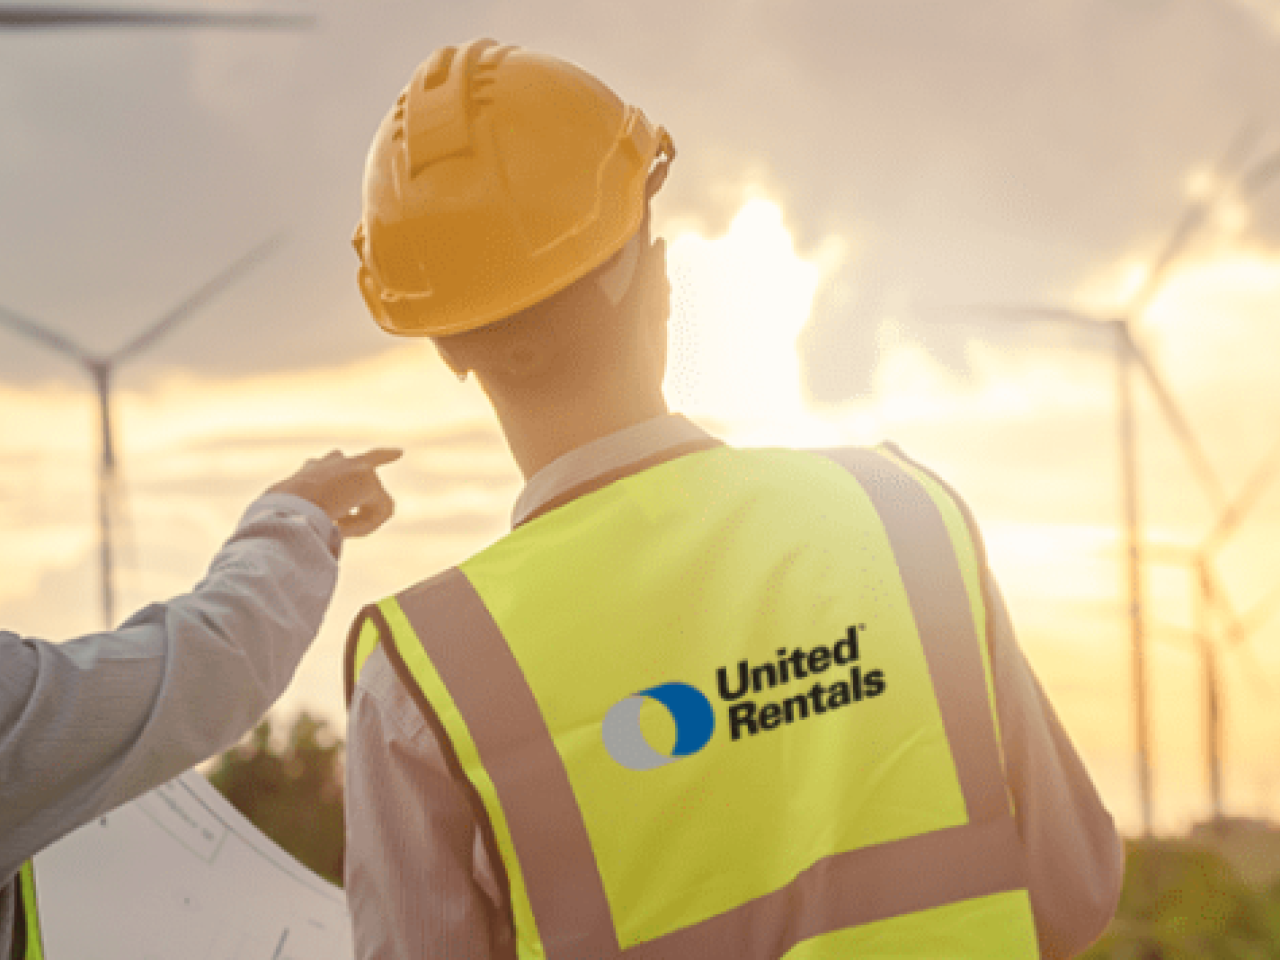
[(379, 456)]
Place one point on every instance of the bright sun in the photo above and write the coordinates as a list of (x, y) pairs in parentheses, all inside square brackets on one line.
[(739, 302)]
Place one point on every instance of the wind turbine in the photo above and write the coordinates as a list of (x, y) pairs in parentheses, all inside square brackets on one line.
[(1212, 605), (32, 16), (1129, 353), (101, 369)]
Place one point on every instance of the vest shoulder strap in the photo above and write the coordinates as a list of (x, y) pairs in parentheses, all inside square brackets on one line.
[(364, 634), (372, 626)]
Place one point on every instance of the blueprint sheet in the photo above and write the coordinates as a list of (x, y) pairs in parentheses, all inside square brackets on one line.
[(179, 874)]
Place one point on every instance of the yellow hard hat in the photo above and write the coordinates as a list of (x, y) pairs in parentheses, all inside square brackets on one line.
[(500, 177)]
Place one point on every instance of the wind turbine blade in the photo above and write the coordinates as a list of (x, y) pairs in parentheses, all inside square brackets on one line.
[(37, 331), (32, 16), (1255, 671), (1181, 428), (198, 299), (1235, 513), (1191, 219), (1240, 629), (1240, 147), (1182, 232), (1261, 174)]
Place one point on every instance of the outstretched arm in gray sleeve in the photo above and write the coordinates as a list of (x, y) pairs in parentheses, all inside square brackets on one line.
[(94, 722), (91, 723)]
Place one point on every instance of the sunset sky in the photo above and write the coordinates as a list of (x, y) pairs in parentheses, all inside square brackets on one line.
[(850, 175)]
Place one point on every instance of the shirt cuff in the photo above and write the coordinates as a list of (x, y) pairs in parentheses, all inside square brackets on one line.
[(275, 502)]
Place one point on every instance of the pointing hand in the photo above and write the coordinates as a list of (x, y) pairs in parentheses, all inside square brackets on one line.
[(348, 489)]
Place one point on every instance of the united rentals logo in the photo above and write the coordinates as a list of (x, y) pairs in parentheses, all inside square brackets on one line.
[(694, 716), (694, 719), (798, 665)]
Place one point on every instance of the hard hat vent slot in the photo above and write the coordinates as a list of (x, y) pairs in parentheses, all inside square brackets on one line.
[(484, 79), (438, 67), (439, 106)]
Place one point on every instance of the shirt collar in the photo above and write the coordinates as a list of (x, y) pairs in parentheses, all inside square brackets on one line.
[(610, 452)]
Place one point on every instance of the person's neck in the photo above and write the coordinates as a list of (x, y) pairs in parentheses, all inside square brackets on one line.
[(540, 433)]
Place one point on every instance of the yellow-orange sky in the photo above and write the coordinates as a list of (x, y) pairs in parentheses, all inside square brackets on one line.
[(1026, 435)]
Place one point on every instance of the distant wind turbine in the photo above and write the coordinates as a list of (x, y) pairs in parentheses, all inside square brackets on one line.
[(37, 16), (101, 369), (1212, 607), (1129, 353)]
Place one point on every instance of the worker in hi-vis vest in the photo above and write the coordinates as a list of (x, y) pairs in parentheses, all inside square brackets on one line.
[(91, 723), (700, 702)]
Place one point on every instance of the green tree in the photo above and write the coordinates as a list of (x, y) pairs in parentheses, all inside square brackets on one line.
[(293, 796)]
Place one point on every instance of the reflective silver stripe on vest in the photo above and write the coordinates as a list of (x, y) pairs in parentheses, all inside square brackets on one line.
[(843, 890), (935, 587), (476, 665)]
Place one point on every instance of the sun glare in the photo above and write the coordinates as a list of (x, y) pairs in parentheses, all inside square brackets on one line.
[(739, 302)]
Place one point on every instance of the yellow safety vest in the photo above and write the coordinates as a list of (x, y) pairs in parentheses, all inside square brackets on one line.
[(728, 706), (27, 944)]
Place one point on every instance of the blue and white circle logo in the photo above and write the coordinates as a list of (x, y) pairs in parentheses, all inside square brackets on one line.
[(690, 710)]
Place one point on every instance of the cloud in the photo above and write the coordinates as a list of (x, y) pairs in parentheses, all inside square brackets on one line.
[(967, 152)]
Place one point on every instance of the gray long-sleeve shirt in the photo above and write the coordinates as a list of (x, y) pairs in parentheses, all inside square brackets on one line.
[(91, 723), (419, 881)]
